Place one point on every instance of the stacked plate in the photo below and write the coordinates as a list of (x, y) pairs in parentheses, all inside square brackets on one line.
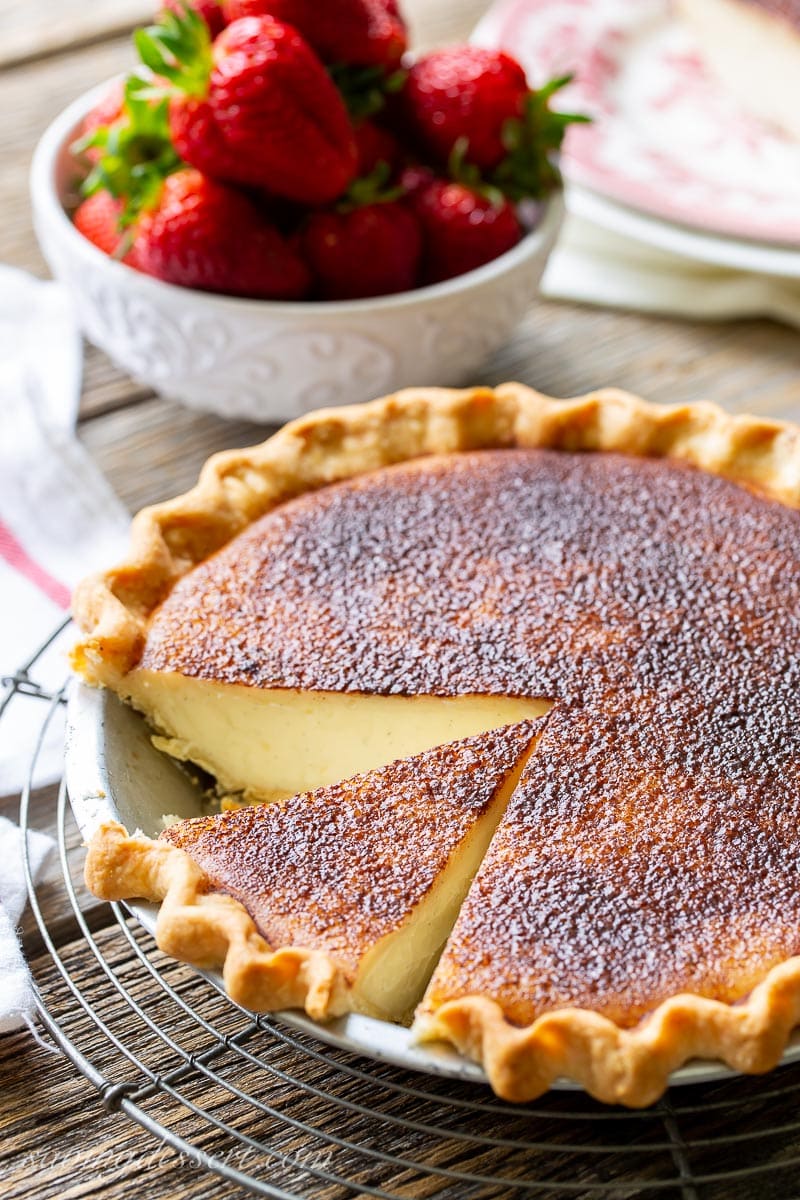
[(670, 159)]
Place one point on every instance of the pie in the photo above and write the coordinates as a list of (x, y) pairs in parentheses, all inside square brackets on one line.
[(597, 602), (753, 46)]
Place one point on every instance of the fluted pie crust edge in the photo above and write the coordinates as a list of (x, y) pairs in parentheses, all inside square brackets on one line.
[(209, 929), (619, 1066), (616, 1065), (237, 487)]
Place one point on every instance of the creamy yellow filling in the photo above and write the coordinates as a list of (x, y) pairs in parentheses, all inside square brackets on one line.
[(394, 973), (273, 743)]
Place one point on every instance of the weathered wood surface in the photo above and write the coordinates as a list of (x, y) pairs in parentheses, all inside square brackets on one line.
[(58, 1141), (51, 1150), (48, 27)]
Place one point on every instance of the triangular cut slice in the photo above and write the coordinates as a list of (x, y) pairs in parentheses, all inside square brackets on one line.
[(272, 743), (372, 871)]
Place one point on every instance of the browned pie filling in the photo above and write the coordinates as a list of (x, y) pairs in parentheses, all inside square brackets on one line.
[(652, 844), (271, 856), (372, 870)]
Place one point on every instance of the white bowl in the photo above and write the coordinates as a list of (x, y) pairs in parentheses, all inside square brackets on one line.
[(268, 360)]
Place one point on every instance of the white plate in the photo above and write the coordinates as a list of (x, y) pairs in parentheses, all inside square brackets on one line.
[(666, 139), (114, 773), (697, 245)]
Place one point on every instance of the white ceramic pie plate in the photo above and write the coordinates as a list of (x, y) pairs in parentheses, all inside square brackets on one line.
[(114, 773)]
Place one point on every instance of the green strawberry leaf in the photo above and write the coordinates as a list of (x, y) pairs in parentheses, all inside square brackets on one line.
[(137, 153), (371, 189), (461, 170), (364, 89), (178, 48), (530, 168)]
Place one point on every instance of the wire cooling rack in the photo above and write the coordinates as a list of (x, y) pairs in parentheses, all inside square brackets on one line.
[(284, 1116)]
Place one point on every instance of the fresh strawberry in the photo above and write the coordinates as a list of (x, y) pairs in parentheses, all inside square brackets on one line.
[(370, 245), (465, 92), (357, 32), (376, 145), (461, 228), (476, 103), (255, 108), (99, 218), (206, 235), (415, 178), (209, 10)]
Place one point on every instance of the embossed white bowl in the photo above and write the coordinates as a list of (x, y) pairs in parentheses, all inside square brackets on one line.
[(266, 360)]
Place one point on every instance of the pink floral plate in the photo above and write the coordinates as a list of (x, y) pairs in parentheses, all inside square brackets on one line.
[(666, 138)]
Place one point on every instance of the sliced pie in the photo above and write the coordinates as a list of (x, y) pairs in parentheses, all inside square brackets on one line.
[(354, 886), (462, 550)]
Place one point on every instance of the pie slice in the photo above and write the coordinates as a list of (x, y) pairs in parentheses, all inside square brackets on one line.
[(634, 569), (339, 900)]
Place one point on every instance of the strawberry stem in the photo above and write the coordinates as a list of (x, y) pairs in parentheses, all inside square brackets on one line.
[(178, 48), (137, 153), (530, 168), (364, 89)]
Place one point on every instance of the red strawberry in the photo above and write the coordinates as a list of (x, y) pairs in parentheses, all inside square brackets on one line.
[(416, 177), (376, 145), (357, 32), (371, 250), (99, 218), (256, 108), (461, 229), (209, 236), (209, 10), (465, 92)]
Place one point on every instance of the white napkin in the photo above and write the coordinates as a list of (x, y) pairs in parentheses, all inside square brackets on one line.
[(16, 997), (59, 519), (592, 265)]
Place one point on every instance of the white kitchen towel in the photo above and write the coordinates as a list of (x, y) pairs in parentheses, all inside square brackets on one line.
[(591, 265), (17, 1006), (59, 519)]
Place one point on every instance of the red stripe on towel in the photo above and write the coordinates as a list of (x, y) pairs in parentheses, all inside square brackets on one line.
[(17, 557)]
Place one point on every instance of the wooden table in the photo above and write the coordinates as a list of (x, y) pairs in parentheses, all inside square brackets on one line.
[(58, 1139)]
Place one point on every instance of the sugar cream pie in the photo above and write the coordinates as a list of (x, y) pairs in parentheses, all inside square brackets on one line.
[(518, 678)]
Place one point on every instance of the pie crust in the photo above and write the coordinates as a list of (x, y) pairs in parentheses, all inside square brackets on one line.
[(615, 1064)]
